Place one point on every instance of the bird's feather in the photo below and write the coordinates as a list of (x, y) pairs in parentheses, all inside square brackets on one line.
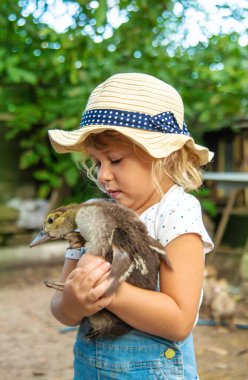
[(116, 233)]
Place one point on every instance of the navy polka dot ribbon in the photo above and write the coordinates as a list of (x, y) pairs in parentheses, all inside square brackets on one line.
[(164, 122)]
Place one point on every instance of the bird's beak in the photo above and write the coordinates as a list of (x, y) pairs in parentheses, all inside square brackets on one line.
[(40, 238)]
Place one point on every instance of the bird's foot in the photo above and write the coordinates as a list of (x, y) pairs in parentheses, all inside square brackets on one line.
[(75, 240), (55, 285)]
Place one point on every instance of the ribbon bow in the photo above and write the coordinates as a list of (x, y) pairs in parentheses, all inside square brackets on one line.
[(166, 122)]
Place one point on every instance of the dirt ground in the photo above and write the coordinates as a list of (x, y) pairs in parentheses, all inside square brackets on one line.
[(34, 345)]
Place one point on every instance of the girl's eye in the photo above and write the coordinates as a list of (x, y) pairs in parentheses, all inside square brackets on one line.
[(116, 161)]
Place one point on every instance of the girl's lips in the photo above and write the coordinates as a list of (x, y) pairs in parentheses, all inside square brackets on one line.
[(114, 194)]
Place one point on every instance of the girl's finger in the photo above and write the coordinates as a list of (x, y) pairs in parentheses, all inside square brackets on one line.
[(95, 275), (86, 278), (97, 294), (84, 271)]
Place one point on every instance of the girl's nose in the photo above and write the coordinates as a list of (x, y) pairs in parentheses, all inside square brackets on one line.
[(104, 174)]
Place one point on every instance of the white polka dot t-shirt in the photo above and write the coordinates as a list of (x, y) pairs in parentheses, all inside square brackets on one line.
[(176, 214)]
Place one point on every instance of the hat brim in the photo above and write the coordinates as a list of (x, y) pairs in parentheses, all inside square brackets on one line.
[(157, 144)]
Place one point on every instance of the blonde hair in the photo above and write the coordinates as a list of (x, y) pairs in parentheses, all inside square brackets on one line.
[(182, 166)]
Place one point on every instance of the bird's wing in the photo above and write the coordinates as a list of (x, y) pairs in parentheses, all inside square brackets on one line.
[(121, 267), (158, 248)]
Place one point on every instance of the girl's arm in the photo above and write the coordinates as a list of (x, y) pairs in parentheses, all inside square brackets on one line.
[(170, 313), (85, 283)]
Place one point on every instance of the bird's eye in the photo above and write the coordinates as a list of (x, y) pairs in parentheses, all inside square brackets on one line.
[(50, 220)]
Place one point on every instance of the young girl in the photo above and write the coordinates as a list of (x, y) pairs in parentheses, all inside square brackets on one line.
[(145, 159)]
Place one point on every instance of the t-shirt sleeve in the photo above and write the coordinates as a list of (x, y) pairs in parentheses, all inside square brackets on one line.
[(182, 218)]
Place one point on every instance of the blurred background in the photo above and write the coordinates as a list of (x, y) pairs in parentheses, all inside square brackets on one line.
[(52, 55)]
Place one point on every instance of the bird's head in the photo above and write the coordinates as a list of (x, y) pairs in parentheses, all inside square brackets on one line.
[(57, 225)]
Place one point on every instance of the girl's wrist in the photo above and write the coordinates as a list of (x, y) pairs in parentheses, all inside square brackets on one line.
[(64, 313), (75, 314), (114, 304)]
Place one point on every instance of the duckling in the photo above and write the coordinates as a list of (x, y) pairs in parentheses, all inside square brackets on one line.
[(60, 224), (209, 285), (223, 306), (117, 234)]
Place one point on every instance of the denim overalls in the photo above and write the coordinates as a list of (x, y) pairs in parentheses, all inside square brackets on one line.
[(135, 355)]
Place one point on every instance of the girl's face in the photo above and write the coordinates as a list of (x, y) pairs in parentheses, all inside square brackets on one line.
[(124, 175)]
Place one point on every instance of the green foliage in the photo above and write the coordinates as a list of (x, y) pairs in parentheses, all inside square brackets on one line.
[(204, 196), (46, 77)]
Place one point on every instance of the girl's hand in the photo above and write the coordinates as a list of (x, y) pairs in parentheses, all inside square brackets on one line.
[(85, 286), (88, 258)]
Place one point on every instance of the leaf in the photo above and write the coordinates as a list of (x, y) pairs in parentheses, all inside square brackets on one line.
[(209, 207), (71, 176), (28, 159), (44, 190), (20, 75), (42, 175), (42, 149), (101, 13)]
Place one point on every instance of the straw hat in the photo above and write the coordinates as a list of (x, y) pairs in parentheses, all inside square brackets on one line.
[(141, 107)]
